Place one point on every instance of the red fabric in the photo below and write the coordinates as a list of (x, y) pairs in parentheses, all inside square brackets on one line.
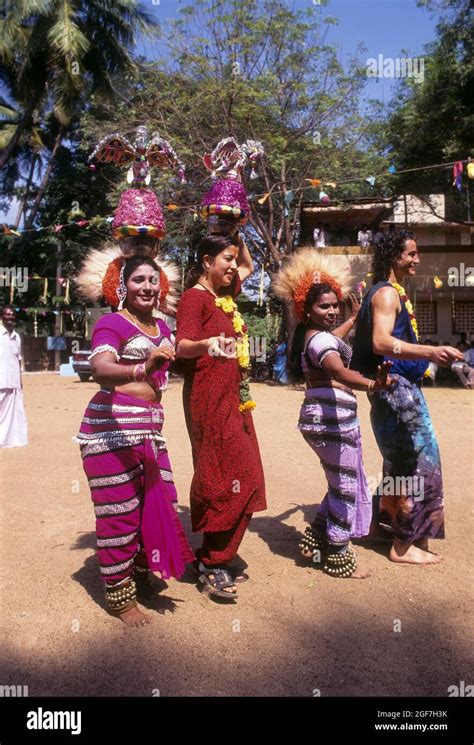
[(220, 548), (228, 481)]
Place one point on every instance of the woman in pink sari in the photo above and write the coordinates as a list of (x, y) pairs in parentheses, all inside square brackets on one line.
[(122, 446)]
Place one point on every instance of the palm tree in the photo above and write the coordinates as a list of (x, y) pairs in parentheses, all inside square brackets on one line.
[(59, 53)]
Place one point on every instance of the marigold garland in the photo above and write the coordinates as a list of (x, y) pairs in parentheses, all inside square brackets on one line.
[(229, 306), (405, 299)]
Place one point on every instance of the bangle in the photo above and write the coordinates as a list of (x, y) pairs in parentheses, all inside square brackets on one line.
[(139, 373), (352, 320), (370, 387)]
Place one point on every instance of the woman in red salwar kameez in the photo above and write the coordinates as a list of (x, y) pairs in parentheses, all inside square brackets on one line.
[(228, 482)]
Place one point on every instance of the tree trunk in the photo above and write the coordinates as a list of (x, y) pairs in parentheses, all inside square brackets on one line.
[(24, 199), (22, 125), (45, 179)]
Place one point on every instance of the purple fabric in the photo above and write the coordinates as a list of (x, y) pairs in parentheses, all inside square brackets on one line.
[(115, 331), (346, 510), (228, 192)]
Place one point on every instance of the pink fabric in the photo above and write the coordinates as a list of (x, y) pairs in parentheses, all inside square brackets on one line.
[(130, 478), (228, 192), (139, 207)]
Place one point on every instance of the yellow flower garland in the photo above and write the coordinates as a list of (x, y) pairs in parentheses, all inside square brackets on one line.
[(229, 306), (408, 306)]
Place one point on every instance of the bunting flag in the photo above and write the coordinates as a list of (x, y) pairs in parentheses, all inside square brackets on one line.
[(332, 184), (314, 181), (457, 174), (9, 231), (263, 199), (371, 180)]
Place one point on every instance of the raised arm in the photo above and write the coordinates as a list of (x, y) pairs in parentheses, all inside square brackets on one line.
[(354, 305), (244, 260), (385, 306)]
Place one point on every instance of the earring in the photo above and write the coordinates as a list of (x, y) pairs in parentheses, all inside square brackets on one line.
[(122, 288)]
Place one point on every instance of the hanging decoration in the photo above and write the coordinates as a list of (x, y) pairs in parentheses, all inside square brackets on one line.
[(457, 174), (323, 197)]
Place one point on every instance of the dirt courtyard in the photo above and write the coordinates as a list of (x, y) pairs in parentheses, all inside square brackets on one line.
[(293, 632)]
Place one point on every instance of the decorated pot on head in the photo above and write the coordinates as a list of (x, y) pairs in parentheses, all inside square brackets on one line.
[(225, 206), (138, 223)]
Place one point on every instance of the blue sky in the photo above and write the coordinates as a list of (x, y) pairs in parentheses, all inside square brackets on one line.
[(384, 26)]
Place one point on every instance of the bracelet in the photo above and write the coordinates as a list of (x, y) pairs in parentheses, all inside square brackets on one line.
[(139, 373), (370, 387)]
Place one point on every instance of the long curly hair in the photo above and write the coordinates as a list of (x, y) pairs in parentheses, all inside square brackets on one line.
[(390, 247)]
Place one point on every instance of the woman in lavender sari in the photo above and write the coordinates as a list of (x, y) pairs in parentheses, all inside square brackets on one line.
[(315, 284)]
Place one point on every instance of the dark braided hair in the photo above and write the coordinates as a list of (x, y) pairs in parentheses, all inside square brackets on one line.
[(390, 247)]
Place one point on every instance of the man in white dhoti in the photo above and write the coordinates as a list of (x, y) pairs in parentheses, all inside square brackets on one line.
[(13, 425)]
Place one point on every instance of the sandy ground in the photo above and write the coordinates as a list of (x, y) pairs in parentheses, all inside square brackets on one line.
[(293, 631)]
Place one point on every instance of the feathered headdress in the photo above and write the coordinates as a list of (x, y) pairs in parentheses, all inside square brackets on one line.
[(100, 277), (308, 267), (227, 196)]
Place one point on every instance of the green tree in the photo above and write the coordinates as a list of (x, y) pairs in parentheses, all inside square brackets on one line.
[(58, 52), (433, 122), (255, 70)]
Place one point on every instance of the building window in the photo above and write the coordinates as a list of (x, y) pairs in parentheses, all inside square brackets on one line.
[(463, 316), (426, 317)]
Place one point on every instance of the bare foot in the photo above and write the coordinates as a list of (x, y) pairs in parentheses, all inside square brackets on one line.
[(403, 553), (134, 617), (361, 572)]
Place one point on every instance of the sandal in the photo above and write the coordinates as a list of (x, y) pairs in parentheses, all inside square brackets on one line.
[(216, 579), (237, 574)]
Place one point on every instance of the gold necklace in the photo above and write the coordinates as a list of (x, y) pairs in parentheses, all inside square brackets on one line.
[(208, 289), (136, 320)]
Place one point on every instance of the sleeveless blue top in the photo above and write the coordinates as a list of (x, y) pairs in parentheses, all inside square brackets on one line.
[(364, 358)]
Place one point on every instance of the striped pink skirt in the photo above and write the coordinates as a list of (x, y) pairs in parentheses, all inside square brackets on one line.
[(126, 462)]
